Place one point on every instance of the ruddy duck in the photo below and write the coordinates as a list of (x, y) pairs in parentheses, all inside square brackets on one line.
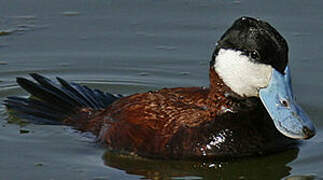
[(248, 109)]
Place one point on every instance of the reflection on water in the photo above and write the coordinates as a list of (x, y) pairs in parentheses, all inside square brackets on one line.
[(267, 167)]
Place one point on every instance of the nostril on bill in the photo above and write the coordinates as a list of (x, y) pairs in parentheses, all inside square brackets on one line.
[(284, 102)]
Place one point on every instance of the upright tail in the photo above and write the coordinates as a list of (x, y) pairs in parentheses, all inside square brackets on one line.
[(52, 103)]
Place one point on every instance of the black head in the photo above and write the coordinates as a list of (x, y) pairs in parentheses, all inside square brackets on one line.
[(257, 39)]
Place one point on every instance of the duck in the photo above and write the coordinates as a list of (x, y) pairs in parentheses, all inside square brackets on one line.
[(248, 109)]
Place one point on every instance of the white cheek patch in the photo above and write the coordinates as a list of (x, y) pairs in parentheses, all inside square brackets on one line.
[(243, 76)]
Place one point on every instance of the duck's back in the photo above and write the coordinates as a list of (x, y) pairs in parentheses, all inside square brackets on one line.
[(147, 123)]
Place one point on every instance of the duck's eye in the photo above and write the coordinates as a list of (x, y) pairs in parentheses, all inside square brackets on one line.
[(255, 54)]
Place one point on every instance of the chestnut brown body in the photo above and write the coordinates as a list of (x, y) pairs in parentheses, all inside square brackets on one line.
[(226, 119), (184, 123)]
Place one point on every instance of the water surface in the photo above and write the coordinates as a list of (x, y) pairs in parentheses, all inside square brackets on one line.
[(134, 46)]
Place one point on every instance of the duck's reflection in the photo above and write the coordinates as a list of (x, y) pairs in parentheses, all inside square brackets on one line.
[(266, 167)]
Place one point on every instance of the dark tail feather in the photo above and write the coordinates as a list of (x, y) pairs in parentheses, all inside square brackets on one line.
[(51, 103), (34, 111)]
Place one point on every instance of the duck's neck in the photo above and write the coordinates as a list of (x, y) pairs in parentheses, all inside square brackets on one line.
[(218, 94), (217, 86), (223, 99)]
